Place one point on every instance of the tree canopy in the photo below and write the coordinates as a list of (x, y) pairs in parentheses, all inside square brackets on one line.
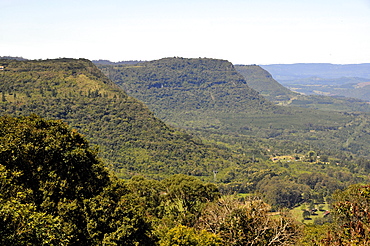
[(56, 191), (51, 178)]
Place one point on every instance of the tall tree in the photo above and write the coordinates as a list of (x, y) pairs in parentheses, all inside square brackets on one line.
[(352, 217), (53, 179)]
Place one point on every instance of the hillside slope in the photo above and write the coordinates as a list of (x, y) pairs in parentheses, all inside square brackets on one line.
[(347, 80), (131, 139), (189, 92), (353, 87), (209, 96), (262, 81)]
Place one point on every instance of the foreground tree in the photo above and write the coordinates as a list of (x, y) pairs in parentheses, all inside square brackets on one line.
[(247, 223), (116, 217), (280, 193), (55, 191), (187, 236), (351, 212), (185, 197), (21, 223), (56, 162)]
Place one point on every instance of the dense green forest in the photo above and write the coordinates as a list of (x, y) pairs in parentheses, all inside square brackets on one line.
[(261, 81), (54, 190), (131, 139), (211, 97), (118, 175)]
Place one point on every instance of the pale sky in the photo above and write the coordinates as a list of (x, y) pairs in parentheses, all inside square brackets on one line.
[(241, 31)]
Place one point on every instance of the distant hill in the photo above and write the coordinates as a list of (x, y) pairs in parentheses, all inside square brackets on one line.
[(209, 96), (351, 80), (345, 86), (108, 62), (340, 87), (310, 95), (178, 87), (131, 139), (13, 58), (283, 72), (262, 81)]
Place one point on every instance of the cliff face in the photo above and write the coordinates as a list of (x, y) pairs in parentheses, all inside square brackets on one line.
[(187, 92), (262, 81)]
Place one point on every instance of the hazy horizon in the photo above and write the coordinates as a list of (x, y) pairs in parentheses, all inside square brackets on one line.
[(240, 31)]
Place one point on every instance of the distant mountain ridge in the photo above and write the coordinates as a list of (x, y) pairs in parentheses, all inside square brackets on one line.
[(13, 58), (321, 97), (348, 80), (283, 72), (176, 87), (108, 62), (209, 96)]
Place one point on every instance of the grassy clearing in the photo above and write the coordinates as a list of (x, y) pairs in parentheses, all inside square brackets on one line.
[(297, 212)]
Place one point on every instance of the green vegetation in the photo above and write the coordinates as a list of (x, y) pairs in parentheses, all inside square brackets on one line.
[(349, 223), (50, 178), (210, 98), (261, 81), (241, 136), (312, 213), (130, 138), (182, 235), (55, 191)]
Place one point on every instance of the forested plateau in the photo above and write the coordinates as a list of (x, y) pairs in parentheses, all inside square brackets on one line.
[(87, 189), (211, 97)]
